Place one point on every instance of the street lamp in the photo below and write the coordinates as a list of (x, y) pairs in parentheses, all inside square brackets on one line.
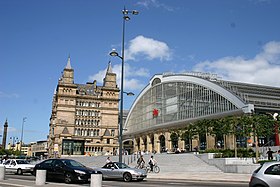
[(23, 120), (115, 53), (13, 139), (276, 117)]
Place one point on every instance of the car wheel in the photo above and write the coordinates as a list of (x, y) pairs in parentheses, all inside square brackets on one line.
[(67, 178), (19, 171), (127, 177)]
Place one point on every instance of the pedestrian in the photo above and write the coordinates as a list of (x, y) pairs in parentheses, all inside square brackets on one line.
[(278, 156), (108, 160), (4, 159), (152, 163), (140, 162), (269, 154)]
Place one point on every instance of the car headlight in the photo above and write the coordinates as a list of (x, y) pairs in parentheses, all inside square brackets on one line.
[(80, 172)]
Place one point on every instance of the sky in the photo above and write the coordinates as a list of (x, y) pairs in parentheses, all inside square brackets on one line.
[(237, 39)]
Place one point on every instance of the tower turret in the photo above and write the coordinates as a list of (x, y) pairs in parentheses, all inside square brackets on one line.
[(68, 73), (110, 78), (5, 134)]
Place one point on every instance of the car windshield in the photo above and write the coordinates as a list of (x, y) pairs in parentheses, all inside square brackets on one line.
[(122, 165), (72, 163), (22, 162)]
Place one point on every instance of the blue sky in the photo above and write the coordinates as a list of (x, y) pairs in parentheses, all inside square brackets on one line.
[(237, 39)]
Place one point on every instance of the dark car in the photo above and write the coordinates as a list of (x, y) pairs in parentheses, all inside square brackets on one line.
[(267, 175), (65, 169)]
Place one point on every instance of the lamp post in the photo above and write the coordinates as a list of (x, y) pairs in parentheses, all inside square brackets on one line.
[(276, 117), (14, 140), (115, 53), (23, 120)]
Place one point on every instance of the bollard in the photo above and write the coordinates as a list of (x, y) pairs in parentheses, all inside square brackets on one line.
[(41, 177), (96, 180), (2, 172)]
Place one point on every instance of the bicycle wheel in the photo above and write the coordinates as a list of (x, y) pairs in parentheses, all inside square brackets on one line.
[(148, 169), (156, 169)]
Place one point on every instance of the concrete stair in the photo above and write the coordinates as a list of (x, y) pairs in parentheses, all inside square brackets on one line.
[(185, 162)]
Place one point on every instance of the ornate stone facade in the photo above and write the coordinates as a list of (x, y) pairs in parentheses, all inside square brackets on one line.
[(84, 119)]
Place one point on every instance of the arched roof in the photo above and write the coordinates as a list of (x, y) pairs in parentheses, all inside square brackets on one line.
[(211, 85)]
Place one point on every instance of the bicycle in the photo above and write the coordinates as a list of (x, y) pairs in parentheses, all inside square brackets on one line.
[(156, 169), (140, 166)]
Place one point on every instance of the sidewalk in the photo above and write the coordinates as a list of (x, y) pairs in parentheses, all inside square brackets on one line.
[(201, 176), (8, 182), (196, 176)]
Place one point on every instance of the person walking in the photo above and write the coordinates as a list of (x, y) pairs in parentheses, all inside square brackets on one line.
[(278, 156), (269, 154), (140, 162), (152, 163)]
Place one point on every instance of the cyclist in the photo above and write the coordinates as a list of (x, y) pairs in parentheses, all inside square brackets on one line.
[(140, 162), (152, 162)]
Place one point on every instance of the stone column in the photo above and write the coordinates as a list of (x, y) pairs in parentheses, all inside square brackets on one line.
[(181, 144), (194, 144), (135, 146), (142, 147), (149, 144), (168, 141), (210, 141), (230, 141), (157, 143)]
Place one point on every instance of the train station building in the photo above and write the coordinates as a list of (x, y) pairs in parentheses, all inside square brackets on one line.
[(171, 101)]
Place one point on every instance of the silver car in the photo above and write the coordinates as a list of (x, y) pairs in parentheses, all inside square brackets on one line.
[(267, 175), (117, 170)]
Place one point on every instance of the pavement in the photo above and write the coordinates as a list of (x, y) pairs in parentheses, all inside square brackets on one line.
[(199, 176), (172, 167)]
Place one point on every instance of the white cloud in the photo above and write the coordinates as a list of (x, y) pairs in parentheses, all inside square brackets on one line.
[(264, 68), (132, 76), (7, 95), (149, 48), (154, 3)]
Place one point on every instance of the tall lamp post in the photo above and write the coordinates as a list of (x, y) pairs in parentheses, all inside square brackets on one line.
[(115, 53), (23, 120), (276, 117), (14, 140)]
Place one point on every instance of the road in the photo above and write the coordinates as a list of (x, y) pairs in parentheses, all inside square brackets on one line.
[(146, 183)]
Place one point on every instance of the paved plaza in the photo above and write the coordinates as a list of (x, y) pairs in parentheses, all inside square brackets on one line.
[(173, 167)]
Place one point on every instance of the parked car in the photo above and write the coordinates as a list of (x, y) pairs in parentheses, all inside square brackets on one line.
[(18, 166), (117, 170), (267, 175), (65, 169)]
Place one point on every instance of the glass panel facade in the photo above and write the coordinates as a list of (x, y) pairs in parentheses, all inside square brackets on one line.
[(175, 101), (73, 147)]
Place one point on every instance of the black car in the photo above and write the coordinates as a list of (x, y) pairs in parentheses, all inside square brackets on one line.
[(65, 169)]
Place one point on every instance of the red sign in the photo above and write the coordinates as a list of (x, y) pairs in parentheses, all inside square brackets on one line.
[(155, 113)]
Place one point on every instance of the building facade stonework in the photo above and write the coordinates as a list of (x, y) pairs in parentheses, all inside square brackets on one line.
[(84, 118)]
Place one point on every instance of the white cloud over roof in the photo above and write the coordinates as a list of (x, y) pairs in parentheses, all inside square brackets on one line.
[(148, 48), (264, 68)]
